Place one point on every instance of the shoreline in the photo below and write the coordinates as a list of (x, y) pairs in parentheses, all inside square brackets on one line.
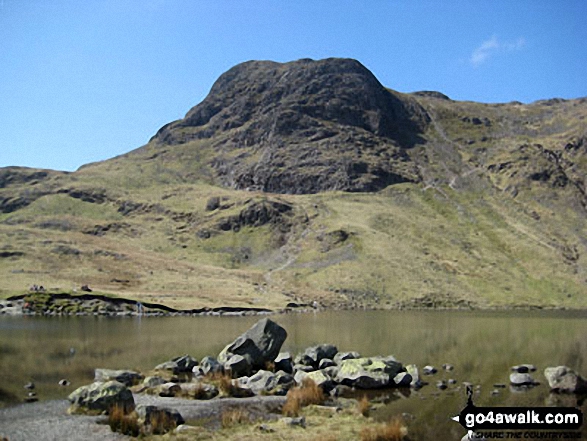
[(87, 304)]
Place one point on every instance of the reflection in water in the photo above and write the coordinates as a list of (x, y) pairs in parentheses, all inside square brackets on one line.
[(482, 346)]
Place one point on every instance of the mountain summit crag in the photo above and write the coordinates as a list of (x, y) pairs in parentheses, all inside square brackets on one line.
[(304, 127)]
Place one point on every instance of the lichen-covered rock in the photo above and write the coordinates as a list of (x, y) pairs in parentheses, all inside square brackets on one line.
[(412, 369), (100, 397), (321, 378), (258, 346), (128, 378), (368, 373), (564, 379)]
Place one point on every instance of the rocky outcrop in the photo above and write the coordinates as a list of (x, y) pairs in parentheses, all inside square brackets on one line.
[(299, 127)]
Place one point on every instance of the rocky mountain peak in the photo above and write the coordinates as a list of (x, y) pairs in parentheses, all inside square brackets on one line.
[(306, 118)]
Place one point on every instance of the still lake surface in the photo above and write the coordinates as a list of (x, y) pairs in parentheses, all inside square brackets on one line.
[(482, 346)]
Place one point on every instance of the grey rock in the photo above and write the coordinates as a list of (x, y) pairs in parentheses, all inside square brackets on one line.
[(238, 365), (331, 371), (441, 385), (524, 368), (259, 345), (403, 379), (185, 363), (296, 422), (99, 397), (265, 428), (448, 367), (208, 365), (63, 382), (284, 362), (169, 389), (326, 363), (314, 354), (261, 382), (171, 366), (429, 370), (153, 381), (341, 356), (128, 378), (564, 379), (29, 386), (303, 368), (452, 381), (517, 379), (199, 391), (321, 379)]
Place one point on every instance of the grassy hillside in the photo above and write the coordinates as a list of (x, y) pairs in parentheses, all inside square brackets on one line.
[(495, 218)]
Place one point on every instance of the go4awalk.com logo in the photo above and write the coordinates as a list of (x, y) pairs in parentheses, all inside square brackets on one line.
[(528, 422)]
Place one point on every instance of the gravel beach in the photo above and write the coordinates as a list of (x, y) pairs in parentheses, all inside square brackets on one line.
[(48, 420)]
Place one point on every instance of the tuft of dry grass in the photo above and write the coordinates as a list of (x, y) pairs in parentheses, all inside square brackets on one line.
[(364, 406), (224, 382), (162, 423), (233, 417), (394, 430), (123, 422), (304, 395)]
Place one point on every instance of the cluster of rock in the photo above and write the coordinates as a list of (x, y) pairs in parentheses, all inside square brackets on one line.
[(253, 365), (561, 379)]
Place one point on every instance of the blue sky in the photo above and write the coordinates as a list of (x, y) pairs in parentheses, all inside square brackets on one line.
[(83, 81)]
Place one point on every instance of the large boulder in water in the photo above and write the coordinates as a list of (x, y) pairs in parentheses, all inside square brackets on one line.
[(564, 379), (258, 346), (100, 397)]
